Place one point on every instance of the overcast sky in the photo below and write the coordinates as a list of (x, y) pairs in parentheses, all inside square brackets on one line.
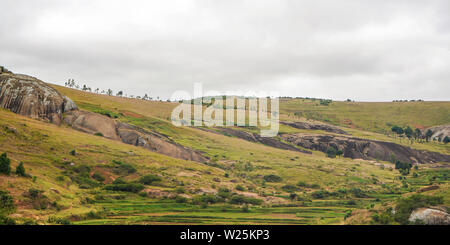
[(362, 50)]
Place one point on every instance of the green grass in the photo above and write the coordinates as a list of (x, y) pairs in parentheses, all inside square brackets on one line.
[(45, 150)]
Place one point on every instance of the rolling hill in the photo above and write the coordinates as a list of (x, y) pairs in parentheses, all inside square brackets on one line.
[(76, 172)]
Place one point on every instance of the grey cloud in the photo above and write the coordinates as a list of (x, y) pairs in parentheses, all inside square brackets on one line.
[(364, 50)]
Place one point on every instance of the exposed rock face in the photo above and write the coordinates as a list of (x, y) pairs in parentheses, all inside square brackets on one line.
[(365, 149), (430, 216), (31, 97), (92, 123), (439, 131), (252, 137), (315, 126)]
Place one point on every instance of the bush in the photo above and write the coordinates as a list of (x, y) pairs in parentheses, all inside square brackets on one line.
[(61, 221), (289, 188), (320, 194), (73, 152), (205, 199), (128, 168), (358, 192), (149, 179), (129, 187), (240, 188), (312, 186), (180, 190), (180, 199), (272, 178), (98, 177), (98, 134), (6, 203), (124, 168), (331, 152), (38, 199), (224, 193), (20, 170), (5, 164), (239, 199), (5, 220)]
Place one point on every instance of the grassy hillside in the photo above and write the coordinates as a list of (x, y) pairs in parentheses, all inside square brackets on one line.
[(245, 182), (369, 116)]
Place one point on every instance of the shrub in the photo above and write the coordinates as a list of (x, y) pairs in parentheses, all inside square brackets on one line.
[(272, 178), (98, 134), (224, 193), (303, 184), (245, 208), (180, 190), (124, 168), (5, 164), (289, 188), (117, 162), (98, 177), (5, 220), (73, 152), (331, 152), (239, 199), (6, 203), (358, 192), (205, 199), (240, 188), (20, 170), (61, 221), (38, 199), (292, 196), (129, 187), (149, 179), (180, 199), (320, 194)]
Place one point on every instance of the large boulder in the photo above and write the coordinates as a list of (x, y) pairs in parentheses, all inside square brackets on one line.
[(357, 148), (94, 123), (430, 216), (29, 96)]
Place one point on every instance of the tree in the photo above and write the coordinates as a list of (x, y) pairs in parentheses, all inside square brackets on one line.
[(120, 93), (408, 132), (398, 130), (5, 164), (145, 97), (446, 140), (339, 153), (331, 152), (20, 170), (417, 134), (428, 134), (109, 92)]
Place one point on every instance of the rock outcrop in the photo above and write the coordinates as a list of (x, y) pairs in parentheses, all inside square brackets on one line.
[(252, 137), (438, 131), (430, 216), (357, 148), (315, 126), (31, 97), (94, 123)]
